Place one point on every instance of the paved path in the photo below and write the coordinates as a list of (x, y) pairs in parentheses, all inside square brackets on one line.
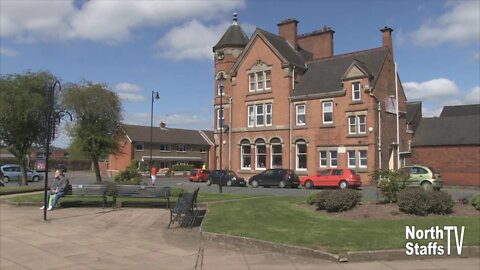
[(137, 238)]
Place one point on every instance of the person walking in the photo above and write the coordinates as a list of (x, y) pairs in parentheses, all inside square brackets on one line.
[(58, 189), (153, 175)]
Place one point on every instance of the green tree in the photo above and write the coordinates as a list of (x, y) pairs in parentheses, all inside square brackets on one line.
[(23, 105), (97, 113)]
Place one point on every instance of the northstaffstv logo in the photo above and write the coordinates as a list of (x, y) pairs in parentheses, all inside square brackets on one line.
[(436, 234)]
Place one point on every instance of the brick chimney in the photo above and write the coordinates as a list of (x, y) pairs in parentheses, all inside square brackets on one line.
[(287, 29), (319, 42), (387, 37)]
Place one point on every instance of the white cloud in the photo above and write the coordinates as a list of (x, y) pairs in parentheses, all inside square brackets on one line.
[(193, 40), (129, 92), (110, 21), (459, 25), (8, 52), (433, 89), (472, 96)]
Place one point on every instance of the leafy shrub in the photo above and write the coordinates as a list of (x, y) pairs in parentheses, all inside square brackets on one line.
[(475, 201), (176, 191), (312, 197), (337, 200), (182, 168), (421, 202), (129, 176), (390, 183)]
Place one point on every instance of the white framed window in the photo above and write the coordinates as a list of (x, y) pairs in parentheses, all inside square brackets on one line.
[(357, 124), (268, 114), (260, 81), (260, 154), (301, 147), (260, 115), (362, 124), (323, 159), (333, 159), (220, 118), (352, 160), (301, 115), (140, 147), (246, 155), (363, 158), (165, 148), (356, 91), (181, 148), (327, 110), (251, 116), (251, 82), (276, 153), (203, 149)]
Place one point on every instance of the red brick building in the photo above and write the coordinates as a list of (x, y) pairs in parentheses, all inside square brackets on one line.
[(451, 144), (288, 101)]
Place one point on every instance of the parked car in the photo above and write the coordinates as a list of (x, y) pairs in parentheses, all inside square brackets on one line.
[(275, 177), (228, 178), (423, 176), (198, 175), (12, 172), (335, 177)]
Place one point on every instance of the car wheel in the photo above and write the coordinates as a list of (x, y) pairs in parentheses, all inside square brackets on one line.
[(6, 179), (282, 184), (427, 186), (343, 184), (36, 179), (209, 182), (254, 183), (309, 184), (229, 183)]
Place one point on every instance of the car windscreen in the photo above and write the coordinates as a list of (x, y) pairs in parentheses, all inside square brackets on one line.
[(193, 172)]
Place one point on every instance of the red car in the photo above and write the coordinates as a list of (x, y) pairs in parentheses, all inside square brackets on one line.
[(337, 177), (198, 175)]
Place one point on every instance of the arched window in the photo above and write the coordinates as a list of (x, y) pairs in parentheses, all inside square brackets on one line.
[(261, 154), (301, 147), (276, 153), (245, 155)]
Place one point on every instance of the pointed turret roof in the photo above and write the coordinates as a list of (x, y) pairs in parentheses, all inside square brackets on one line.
[(233, 37)]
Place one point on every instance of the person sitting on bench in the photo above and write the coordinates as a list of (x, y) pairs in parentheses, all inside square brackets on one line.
[(58, 189)]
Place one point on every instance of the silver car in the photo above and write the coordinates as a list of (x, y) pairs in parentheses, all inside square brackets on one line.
[(12, 172)]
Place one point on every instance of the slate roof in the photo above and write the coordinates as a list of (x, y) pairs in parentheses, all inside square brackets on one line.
[(460, 110), (167, 135), (414, 113), (285, 49), (233, 37), (325, 75), (442, 131)]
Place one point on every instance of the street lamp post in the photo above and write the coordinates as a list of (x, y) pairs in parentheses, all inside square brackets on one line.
[(155, 95), (221, 80)]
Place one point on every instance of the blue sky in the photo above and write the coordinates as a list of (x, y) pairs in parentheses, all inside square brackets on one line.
[(139, 46)]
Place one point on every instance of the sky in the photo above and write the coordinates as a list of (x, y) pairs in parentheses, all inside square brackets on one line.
[(139, 46)]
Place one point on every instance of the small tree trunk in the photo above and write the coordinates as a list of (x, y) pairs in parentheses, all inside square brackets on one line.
[(23, 170), (96, 168)]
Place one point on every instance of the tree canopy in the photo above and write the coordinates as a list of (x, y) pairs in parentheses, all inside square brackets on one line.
[(97, 113), (23, 105)]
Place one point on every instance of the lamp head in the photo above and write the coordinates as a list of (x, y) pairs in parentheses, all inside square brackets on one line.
[(157, 95)]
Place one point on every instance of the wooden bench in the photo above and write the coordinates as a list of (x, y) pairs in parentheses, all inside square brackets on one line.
[(185, 210), (88, 191), (140, 191)]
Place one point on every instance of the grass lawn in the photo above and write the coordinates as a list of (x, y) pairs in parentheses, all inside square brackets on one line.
[(281, 219)]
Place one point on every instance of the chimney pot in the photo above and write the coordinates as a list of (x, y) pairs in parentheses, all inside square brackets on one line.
[(163, 125)]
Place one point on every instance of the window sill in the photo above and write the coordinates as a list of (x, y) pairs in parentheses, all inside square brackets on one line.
[(254, 93), (327, 126), (357, 135), (301, 126), (355, 102)]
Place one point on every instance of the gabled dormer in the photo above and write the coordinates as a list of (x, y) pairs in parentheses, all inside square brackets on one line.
[(356, 70)]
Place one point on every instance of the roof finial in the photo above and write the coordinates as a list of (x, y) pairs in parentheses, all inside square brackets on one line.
[(235, 19)]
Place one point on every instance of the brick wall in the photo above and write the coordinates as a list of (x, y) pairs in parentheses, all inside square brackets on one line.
[(458, 165)]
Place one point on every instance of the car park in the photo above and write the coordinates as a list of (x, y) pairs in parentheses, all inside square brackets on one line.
[(334, 177), (198, 175), (226, 177), (425, 177), (12, 172), (275, 177)]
